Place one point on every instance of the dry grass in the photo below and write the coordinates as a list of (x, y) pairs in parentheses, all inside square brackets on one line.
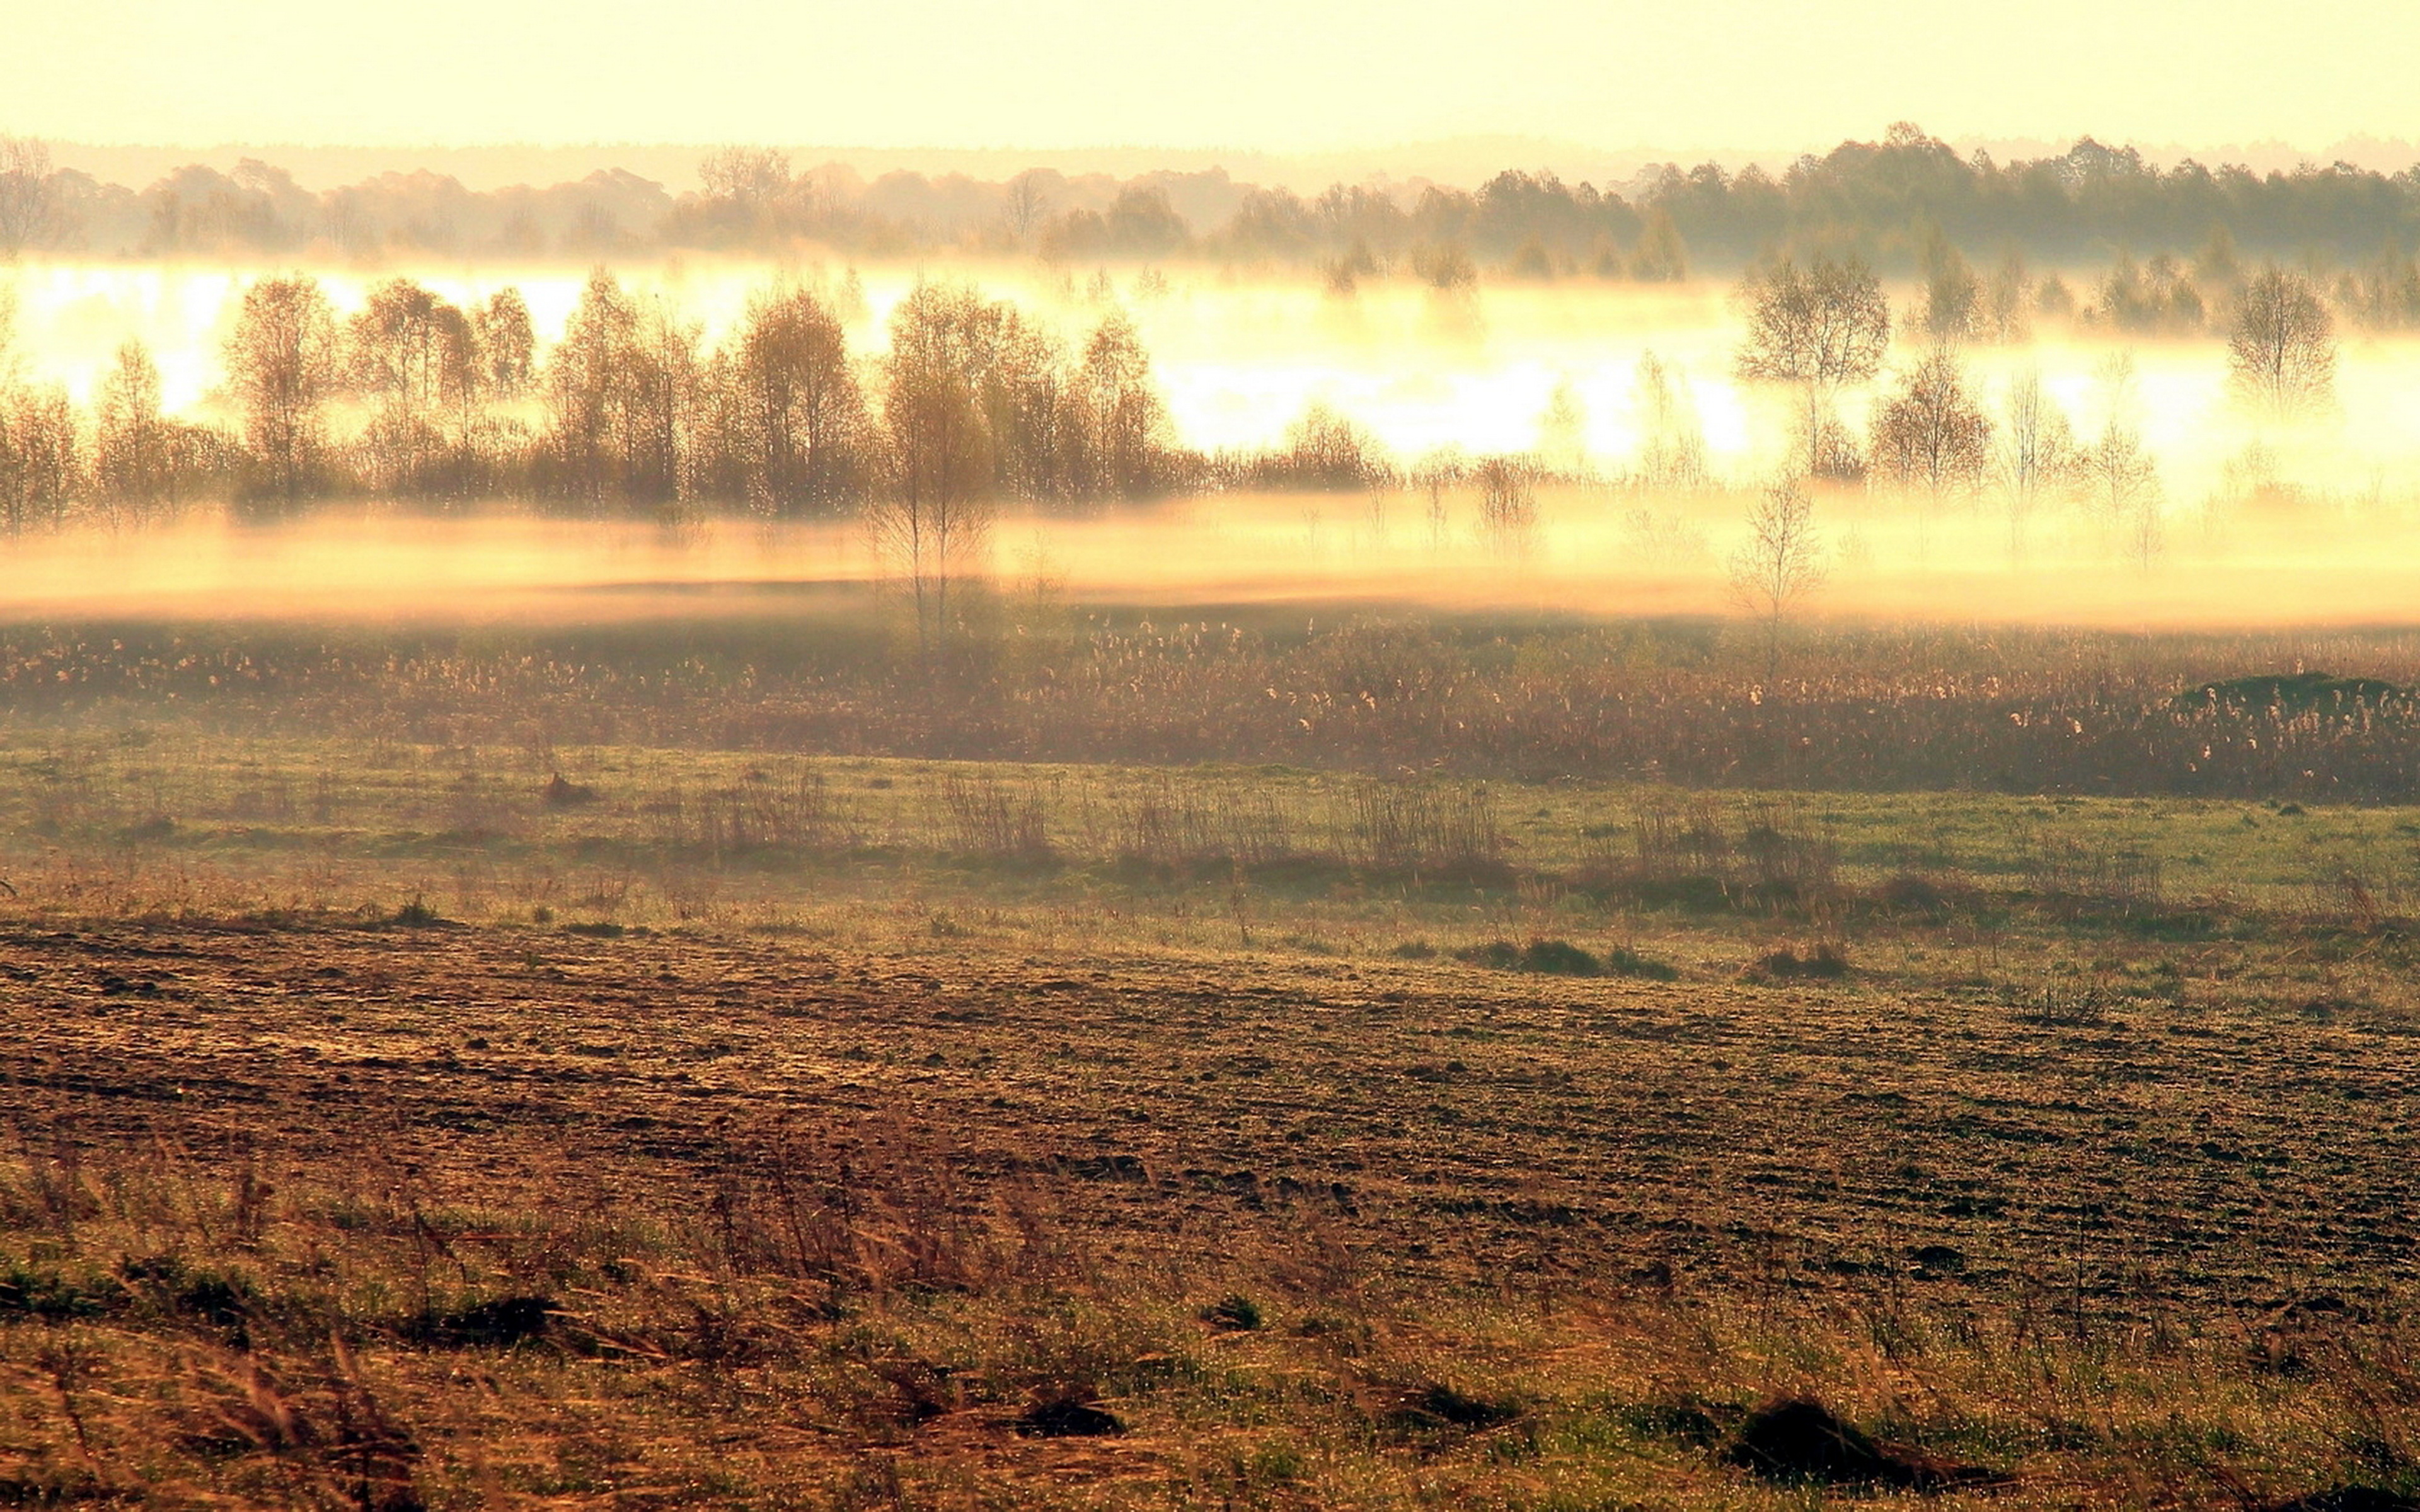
[(1855, 710), (511, 1118), (471, 1217)]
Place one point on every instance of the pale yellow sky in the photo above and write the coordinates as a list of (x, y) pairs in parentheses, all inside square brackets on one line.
[(1265, 74)]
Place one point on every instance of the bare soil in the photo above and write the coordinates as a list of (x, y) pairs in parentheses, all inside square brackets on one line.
[(1432, 1124)]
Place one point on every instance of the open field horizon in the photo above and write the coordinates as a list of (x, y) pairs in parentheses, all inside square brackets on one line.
[(1163, 834)]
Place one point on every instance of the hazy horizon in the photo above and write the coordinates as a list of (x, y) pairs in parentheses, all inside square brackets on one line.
[(1254, 77), (1465, 159)]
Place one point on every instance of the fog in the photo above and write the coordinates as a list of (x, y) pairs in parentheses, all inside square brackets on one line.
[(2257, 523)]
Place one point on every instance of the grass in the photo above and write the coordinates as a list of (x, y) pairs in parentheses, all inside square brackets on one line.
[(403, 1124), (818, 1227), (112, 825), (1856, 709)]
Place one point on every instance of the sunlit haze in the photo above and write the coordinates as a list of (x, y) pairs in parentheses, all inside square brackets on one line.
[(1287, 756), (1771, 75)]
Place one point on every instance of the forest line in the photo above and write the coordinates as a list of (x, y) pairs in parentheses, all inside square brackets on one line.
[(1895, 204)]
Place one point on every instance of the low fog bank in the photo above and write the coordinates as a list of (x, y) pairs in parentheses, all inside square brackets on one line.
[(1589, 554)]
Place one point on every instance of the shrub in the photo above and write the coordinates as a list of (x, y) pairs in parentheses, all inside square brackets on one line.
[(1824, 960)]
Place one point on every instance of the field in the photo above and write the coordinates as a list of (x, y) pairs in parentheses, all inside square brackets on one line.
[(511, 1117)]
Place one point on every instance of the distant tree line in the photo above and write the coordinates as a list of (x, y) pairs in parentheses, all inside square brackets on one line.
[(1819, 330), (414, 399), (1895, 204), (974, 403), (411, 397)]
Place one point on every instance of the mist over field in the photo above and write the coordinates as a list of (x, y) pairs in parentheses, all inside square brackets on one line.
[(2257, 521), (1085, 831)]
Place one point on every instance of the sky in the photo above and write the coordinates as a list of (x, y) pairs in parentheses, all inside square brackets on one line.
[(1268, 75)]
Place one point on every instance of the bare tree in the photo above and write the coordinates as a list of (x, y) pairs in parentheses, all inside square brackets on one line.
[(506, 344), (933, 512), (145, 462), (29, 201), (1779, 565), (800, 423), (2036, 453), (1026, 201), (41, 456), (1507, 504), (1672, 443), (1821, 328), (132, 462), (1325, 450), (1123, 418), (622, 386), (1434, 475), (1953, 296), (282, 364), (2281, 353), (1563, 432), (1931, 435), (2115, 473), (413, 355), (749, 178)]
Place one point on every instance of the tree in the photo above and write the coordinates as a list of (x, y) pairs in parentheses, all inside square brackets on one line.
[(1508, 504), (933, 511), (1021, 377), (1779, 565), (1820, 329), (40, 461), (1931, 435), (587, 399), (800, 420), (1323, 449), (1953, 295), (282, 364), (1672, 443), (415, 356), (2005, 314), (749, 178), (40, 455), (1025, 200), (2036, 452), (1562, 431), (1141, 222), (506, 343), (622, 387), (133, 464), (744, 191), (2115, 473), (29, 200), (2281, 353), (1123, 421), (1439, 470), (1660, 258), (2155, 298)]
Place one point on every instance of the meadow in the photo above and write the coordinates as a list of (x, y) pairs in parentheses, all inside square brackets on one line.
[(454, 1065), (1283, 872)]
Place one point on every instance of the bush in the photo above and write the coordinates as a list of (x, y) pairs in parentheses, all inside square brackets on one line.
[(1562, 957), (1622, 961), (1234, 1313), (1824, 960)]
